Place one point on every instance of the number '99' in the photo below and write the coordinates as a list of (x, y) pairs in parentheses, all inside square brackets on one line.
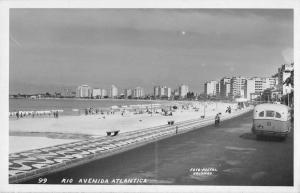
[(42, 180)]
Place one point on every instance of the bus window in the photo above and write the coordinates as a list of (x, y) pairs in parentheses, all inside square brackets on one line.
[(261, 114), (278, 115), (270, 113)]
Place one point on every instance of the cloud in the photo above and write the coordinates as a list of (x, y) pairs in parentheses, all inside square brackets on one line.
[(105, 46), (288, 55)]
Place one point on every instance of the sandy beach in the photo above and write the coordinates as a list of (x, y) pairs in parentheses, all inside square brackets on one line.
[(42, 132)]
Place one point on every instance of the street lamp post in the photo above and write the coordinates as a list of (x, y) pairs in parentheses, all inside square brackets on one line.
[(151, 109), (204, 109)]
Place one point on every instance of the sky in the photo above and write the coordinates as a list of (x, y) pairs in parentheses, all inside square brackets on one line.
[(58, 48)]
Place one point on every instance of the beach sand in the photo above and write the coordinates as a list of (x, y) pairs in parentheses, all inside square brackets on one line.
[(66, 128)]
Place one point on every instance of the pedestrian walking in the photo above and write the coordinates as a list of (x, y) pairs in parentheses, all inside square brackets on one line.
[(176, 130), (217, 119)]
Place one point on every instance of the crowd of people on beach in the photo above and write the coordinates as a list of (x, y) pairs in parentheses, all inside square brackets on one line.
[(33, 114), (92, 111), (165, 110)]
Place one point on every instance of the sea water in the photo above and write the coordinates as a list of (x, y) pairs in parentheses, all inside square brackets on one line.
[(71, 106)]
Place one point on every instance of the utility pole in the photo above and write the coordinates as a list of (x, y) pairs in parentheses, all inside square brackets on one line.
[(204, 109)]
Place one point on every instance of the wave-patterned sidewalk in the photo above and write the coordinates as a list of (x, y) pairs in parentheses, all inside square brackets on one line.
[(33, 163)]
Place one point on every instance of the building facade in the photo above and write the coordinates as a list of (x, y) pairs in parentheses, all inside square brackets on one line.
[(162, 92), (249, 89), (156, 92), (168, 92), (225, 87), (183, 90), (113, 92), (104, 93), (211, 87), (84, 91), (96, 93), (138, 92), (257, 85), (271, 82), (237, 86)]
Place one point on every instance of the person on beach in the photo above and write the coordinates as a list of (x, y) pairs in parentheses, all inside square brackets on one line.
[(217, 119)]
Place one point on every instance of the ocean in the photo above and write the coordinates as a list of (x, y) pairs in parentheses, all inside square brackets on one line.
[(68, 105)]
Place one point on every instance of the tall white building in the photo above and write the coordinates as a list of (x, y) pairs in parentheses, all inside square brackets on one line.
[(156, 91), (96, 93), (138, 92), (257, 85), (237, 86), (225, 87), (210, 88), (162, 91), (113, 92), (183, 90), (218, 88), (260, 84), (104, 93), (168, 92), (249, 88), (84, 91)]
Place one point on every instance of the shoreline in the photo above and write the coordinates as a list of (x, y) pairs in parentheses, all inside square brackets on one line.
[(67, 110)]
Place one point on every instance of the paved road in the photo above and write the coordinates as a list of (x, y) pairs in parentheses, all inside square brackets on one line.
[(226, 155)]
